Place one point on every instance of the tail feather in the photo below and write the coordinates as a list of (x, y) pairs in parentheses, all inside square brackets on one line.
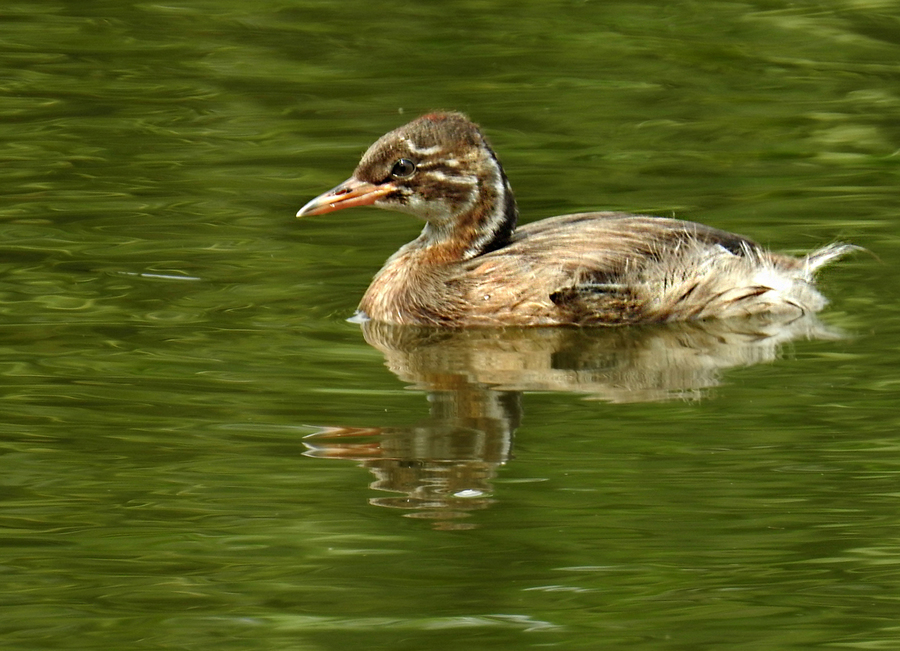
[(714, 282), (828, 254)]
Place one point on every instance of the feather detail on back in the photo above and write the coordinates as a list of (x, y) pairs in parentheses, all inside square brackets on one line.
[(620, 269)]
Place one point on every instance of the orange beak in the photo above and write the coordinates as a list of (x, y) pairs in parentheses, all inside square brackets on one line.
[(349, 194)]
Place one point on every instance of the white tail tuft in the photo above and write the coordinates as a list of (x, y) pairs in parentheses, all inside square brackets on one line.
[(827, 254)]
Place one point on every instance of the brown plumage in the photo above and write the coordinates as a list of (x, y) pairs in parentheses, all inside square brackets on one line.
[(472, 267)]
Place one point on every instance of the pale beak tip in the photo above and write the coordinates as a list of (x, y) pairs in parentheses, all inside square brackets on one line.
[(309, 208)]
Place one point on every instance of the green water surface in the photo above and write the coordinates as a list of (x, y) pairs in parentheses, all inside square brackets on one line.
[(200, 452)]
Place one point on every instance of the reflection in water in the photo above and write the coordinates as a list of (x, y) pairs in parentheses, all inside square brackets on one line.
[(442, 468)]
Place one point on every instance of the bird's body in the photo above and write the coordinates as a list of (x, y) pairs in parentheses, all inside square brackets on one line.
[(472, 267)]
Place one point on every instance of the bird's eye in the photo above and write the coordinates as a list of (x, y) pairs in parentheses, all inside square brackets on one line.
[(403, 169)]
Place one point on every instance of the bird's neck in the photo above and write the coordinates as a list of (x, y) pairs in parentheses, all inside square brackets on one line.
[(417, 284), (484, 224)]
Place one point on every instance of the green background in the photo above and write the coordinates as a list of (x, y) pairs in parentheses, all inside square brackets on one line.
[(169, 334)]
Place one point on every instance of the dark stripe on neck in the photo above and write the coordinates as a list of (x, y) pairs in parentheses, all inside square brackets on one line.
[(505, 226), (503, 222)]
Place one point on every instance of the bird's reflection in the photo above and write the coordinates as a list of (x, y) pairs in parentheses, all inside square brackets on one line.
[(441, 469)]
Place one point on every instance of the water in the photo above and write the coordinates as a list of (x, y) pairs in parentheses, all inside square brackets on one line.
[(200, 452)]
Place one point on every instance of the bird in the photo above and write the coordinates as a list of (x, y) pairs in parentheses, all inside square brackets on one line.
[(472, 267)]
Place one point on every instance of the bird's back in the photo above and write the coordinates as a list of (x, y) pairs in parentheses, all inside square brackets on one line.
[(614, 268)]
